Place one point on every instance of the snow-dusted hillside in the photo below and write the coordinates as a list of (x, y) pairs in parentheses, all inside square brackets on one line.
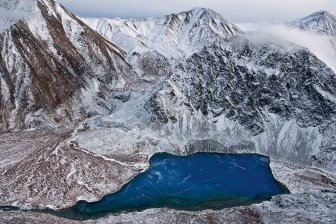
[(52, 65), (106, 94), (174, 36)]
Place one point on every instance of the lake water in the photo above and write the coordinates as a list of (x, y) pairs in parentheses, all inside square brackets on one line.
[(196, 182)]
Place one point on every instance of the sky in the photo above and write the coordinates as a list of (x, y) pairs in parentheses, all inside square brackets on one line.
[(234, 10)]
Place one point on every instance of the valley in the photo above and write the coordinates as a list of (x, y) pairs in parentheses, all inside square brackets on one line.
[(87, 104)]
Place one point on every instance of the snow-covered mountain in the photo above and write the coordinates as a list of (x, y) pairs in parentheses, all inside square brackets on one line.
[(321, 22), (174, 36), (51, 63), (117, 91), (271, 90)]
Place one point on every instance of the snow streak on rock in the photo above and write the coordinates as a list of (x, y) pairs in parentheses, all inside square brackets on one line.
[(46, 58)]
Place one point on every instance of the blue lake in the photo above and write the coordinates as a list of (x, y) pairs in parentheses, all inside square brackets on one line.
[(196, 182)]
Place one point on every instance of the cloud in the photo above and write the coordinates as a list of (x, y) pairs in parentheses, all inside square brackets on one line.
[(321, 46), (234, 10)]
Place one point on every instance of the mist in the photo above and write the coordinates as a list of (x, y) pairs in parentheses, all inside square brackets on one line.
[(322, 46)]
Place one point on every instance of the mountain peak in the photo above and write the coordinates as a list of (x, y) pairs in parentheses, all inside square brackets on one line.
[(323, 12), (174, 36), (201, 9), (202, 13), (318, 15), (321, 22)]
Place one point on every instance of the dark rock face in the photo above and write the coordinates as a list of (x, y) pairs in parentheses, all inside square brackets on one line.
[(47, 58), (245, 80), (151, 64), (122, 96)]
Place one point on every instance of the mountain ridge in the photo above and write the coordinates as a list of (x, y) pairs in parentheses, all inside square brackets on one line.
[(181, 33), (47, 58)]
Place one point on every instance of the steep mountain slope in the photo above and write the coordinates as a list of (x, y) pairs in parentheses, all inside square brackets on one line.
[(275, 95), (174, 36), (47, 57)]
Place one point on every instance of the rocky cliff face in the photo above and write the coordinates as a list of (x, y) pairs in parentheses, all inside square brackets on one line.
[(252, 81), (276, 78), (48, 56)]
